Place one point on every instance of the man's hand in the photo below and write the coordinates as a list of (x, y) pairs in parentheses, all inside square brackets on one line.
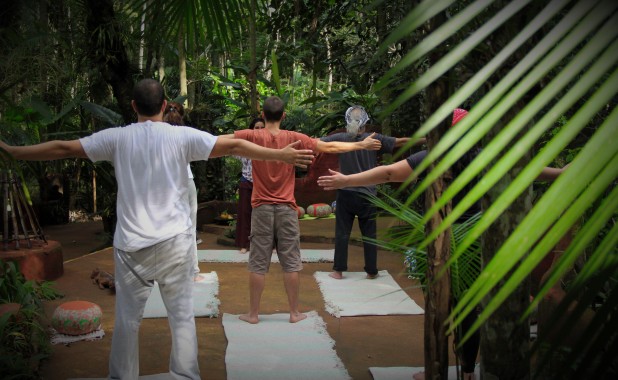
[(332, 182), (298, 157), (370, 143)]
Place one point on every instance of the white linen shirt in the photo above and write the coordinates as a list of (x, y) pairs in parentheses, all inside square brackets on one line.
[(150, 162)]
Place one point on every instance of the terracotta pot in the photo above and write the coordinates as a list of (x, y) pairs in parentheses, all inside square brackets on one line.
[(10, 308), (77, 318)]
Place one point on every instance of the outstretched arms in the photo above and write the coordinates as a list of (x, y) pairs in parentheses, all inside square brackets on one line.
[(368, 143), (397, 172), (401, 141), (550, 174), (228, 146), (50, 150)]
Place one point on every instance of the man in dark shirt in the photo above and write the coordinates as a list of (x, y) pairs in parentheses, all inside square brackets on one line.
[(352, 201)]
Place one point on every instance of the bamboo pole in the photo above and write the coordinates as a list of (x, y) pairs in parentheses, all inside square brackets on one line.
[(5, 211)]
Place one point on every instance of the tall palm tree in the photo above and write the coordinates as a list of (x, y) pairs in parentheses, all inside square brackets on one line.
[(559, 61), (186, 25)]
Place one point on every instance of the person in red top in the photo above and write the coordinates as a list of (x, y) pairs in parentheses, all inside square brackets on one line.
[(274, 220)]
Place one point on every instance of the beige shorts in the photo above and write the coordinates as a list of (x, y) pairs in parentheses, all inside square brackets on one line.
[(274, 226)]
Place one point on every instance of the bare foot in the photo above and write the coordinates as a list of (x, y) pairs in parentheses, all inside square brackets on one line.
[(243, 250), (249, 319), (198, 278), (297, 317), (336, 275), (372, 276), (469, 376), (419, 376)]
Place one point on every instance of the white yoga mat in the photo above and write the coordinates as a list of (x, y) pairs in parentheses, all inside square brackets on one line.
[(233, 256), (205, 301), (356, 295), (275, 349), (57, 338), (158, 376), (406, 373)]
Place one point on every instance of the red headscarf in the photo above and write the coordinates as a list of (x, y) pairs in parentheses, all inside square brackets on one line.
[(458, 114)]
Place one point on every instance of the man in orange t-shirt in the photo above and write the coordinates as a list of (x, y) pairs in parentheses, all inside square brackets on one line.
[(274, 217)]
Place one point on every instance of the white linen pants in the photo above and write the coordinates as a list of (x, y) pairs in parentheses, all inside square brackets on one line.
[(192, 194), (170, 263)]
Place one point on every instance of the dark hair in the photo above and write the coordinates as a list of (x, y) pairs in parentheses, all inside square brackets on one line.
[(255, 121), (174, 113), (148, 96), (273, 108)]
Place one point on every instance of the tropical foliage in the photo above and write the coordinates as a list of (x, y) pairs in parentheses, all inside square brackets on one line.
[(537, 76), (566, 71), (406, 238), (24, 339)]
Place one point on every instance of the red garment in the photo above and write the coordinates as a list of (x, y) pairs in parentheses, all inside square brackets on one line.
[(458, 114), (243, 218), (273, 181)]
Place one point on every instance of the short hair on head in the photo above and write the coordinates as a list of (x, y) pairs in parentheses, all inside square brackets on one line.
[(273, 108), (148, 96), (174, 113)]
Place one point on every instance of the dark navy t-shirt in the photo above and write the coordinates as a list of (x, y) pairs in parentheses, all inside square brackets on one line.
[(360, 160), (414, 160)]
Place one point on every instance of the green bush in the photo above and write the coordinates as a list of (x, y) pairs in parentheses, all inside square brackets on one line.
[(24, 341)]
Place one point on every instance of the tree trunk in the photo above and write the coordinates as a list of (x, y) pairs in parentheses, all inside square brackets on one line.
[(142, 28), (191, 83), (252, 77), (182, 67), (438, 292), (161, 67), (385, 94), (504, 340), (328, 58), (108, 53)]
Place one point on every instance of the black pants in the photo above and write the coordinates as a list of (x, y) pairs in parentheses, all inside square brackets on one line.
[(470, 349), (349, 205)]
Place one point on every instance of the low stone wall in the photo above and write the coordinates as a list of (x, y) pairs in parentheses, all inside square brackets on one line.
[(41, 262)]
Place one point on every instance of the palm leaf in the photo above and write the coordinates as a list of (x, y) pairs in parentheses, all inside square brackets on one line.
[(111, 118), (406, 237), (575, 65), (526, 143), (593, 160), (478, 122), (197, 21)]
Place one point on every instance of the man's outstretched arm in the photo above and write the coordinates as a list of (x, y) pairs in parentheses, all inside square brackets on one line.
[(396, 172), (368, 143), (50, 150), (401, 141), (227, 145), (550, 174)]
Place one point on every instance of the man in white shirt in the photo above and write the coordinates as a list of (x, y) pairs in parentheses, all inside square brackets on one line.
[(153, 238)]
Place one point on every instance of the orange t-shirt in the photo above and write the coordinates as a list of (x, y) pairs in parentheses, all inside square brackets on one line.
[(273, 181)]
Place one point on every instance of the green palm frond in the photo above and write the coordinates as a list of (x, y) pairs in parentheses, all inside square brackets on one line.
[(197, 21), (574, 65), (406, 237)]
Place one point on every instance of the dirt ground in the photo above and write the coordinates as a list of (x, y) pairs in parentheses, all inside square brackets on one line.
[(361, 342)]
